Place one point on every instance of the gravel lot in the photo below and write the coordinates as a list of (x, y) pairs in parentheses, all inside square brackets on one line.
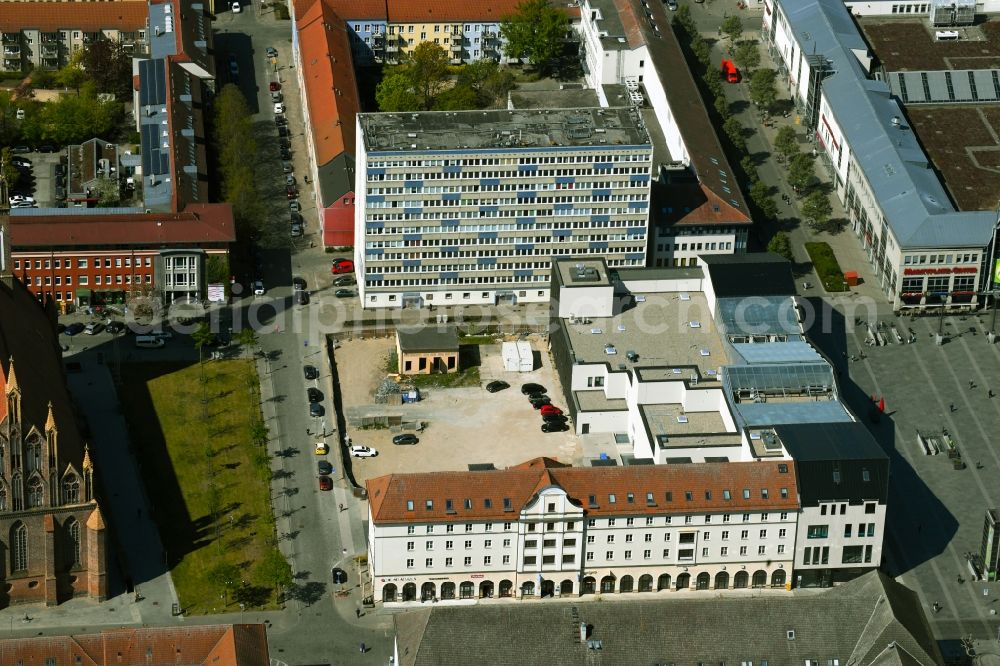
[(464, 425)]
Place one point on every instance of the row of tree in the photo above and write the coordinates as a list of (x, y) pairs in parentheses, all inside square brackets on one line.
[(236, 155)]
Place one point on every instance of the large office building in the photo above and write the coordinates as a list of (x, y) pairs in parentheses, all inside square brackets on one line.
[(470, 207), (924, 252), (711, 364), (543, 529)]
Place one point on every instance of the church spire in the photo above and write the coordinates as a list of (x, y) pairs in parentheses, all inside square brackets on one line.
[(50, 421)]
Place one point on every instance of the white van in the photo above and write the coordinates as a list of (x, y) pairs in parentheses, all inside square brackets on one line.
[(148, 341), (946, 35)]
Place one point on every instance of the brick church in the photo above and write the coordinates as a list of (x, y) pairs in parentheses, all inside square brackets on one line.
[(52, 533)]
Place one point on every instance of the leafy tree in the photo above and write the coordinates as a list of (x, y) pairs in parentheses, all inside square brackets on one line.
[(734, 130), (768, 208), (702, 51), (237, 150), (817, 208), (749, 168), (456, 98), (71, 118), (760, 193), (488, 80), (762, 88), (275, 570), (786, 142), (732, 28), (395, 93), (747, 56), (536, 31), (721, 105), (780, 244), (109, 192), (201, 337), (9, 172), (801, 172), (8, 119), (109, 65), (427, 67), (224, 575), (71, 75)]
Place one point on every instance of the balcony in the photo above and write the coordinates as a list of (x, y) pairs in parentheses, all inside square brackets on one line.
[(392, 46), (456, 46), (50, 50), (11, 38), (12, 51), (11, 64)]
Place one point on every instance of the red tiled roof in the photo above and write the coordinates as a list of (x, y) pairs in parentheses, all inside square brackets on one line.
[(85, 16), (630, 18), (233, 645), (328, 76), (428, 11), (199, 223), (388, 495)]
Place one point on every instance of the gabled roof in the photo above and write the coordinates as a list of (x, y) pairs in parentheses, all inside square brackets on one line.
[(870, 621), (502, 494), (85, 16), (420, 11), (328, 75), (199, 223)]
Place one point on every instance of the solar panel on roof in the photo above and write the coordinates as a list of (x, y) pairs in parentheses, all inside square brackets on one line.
[(155, 160), (152, 83)]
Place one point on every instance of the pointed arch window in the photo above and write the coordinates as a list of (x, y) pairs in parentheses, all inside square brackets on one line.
[(3, 499), (19, 548), (15, 485), (34, 454), (71, 489), (72, 543), (35, 493)]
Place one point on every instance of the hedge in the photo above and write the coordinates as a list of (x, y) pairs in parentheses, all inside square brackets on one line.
[(827, 267)]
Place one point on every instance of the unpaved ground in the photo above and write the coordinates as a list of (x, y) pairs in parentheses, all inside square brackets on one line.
[(464, 425)]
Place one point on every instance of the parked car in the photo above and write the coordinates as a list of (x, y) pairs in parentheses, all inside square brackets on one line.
[(553, 418), (310, 372), (272, 53), (536, 396), (290, 180), (23, 204), (298, 283), (301, 298), (93, 328), (532, 388), (280, 121), (294, 206), (343, 281), (276, 96), (21, 162), (405, 439), (324, 467), (322, 449), (273, 85), (286, 154), (359, 451), (286, 167), (554, 427), (297, 219), (343, 293), (282, 132), (551, 409), (296, 230), (20, 149), (494, 387), (325, 483), (314, 394), (47, 148), (672, 5), (279, 107), (258, 288), (18, 198), (538, 403), (316, 409), (291, 191), (74, 329), (342, 266)]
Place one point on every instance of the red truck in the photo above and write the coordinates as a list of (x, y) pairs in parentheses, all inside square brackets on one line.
[(729, 71)]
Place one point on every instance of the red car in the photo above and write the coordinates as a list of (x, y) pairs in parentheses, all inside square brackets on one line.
[(274, 86), (550, 409), (342, 266), (325, 483)]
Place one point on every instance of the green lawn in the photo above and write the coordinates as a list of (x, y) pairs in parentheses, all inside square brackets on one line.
[(827, 267), (208, 482)]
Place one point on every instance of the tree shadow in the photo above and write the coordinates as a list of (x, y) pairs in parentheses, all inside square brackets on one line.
[(308, 593), (279, 474), (286, 452), (253, 596)]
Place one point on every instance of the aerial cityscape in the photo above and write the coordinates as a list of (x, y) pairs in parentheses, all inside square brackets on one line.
[(653, 332)]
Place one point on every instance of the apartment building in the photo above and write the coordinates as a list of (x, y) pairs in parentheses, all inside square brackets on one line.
[(46, 35), (710, 365), (925, 254), (697, 204), (543, 529), (470, 207), (92, 256)]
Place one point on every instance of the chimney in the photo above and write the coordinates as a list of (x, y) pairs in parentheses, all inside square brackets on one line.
[(6, 274), (583, 632)]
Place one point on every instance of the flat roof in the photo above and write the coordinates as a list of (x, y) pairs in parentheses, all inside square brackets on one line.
[(804, 411), (564, 98), (584, 273), (502, 129), (595, 401), (672, 427), (665, 329)]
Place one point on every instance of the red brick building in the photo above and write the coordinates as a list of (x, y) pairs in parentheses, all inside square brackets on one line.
[(209, 645), (52, 533), (88, 259)]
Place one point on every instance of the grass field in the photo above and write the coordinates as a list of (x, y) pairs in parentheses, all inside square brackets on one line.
[(827, 267), (208, 482)]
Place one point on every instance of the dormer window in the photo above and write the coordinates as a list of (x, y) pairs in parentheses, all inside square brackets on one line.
[(688, 496), (611, 498), (430, 505), (631, 498), (409, 505), (468, 503)]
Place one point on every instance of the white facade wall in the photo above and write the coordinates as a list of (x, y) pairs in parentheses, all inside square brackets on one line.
[(360, 204), (602, 421), (836, 517), (657, 286), (672, 248), (552, 540), (657, 97), (913, 9)]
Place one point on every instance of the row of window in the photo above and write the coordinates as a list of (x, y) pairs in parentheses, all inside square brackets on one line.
[(502, 187), (84, 280), (534, 201), (638, 214), (695, 247), (534, 175), (918, 259), (506, 161), (939, 283), (869, 506), (849, 555), (689, 519), (823, 531), (83, 263), (452, 232)]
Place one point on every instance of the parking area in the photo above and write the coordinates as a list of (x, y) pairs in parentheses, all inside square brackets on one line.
[(464, 426), (39, 179)]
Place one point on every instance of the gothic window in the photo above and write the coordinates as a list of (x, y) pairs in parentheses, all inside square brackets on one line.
[(19, 548), (34, 454), (15, 455), (72, 543), (34, 493), (3, 500), (15, 485), (71, 489)]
